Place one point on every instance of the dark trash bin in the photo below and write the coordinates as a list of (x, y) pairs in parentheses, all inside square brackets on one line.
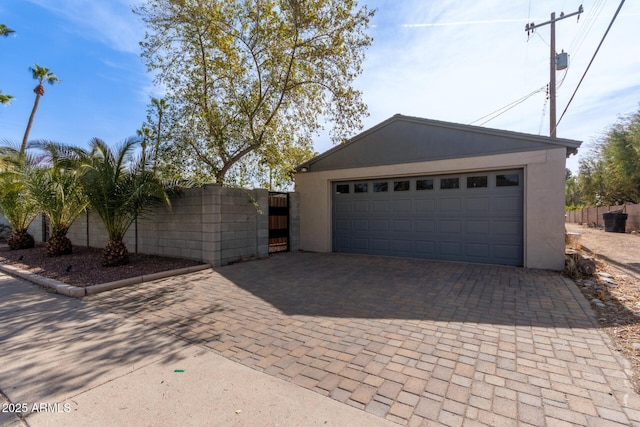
[(614, 222)]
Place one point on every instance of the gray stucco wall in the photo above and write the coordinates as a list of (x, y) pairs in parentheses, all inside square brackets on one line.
[(543, 199), (403, 139)]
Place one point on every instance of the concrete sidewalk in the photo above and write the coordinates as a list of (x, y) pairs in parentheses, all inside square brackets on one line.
[(82, 366)]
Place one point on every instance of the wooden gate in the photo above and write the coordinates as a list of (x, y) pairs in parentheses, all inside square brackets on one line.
[(278, 222)]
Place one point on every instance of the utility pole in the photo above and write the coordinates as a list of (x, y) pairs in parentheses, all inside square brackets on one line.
[(529, 28)]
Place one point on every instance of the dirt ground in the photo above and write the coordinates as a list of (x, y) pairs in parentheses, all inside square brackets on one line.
[(84, 266), (614, 289)]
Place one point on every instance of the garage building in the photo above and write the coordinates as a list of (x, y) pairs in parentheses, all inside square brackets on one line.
[(420, 188)]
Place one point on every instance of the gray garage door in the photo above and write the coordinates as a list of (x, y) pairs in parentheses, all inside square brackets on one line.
[(475, 217)]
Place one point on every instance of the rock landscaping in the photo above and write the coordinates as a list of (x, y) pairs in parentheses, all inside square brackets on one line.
[(612, 289)]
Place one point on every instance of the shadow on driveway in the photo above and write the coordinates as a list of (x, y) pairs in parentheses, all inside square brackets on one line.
[(354, 286), (54, 346)]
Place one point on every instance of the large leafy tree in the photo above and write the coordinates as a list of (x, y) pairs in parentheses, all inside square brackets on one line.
[(244, 78), (160, 105), (120, 188), (152, 130), (591, 181), (621, 156), (55, 188), (610, 172), (43, 75), (15, 202), (573, 197)]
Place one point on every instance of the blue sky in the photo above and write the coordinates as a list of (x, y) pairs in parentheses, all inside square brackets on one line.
[(448, 60)]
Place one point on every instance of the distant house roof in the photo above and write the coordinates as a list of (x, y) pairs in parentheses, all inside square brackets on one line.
[(405, 139)]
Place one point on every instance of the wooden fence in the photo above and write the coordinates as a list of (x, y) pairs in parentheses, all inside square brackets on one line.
[(594, 215)]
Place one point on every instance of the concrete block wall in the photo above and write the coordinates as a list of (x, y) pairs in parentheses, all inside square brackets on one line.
[(294, 222), (93, 234), (244, 231), (36, 228), (5, 223), (174, 231), (212, 224)]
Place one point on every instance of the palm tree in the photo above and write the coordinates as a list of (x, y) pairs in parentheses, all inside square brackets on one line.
[(41, 74), (4, 98), (120, 189), (161, 106), (144, 133), (5, 31), (15, 203), (57, 192)]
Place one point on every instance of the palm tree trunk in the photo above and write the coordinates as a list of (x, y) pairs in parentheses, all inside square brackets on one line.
[(23, 147), (115, 254), (157, 153), (20, 240)]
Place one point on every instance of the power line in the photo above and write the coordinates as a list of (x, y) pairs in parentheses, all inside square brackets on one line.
[(544, 113), (564, 76), (586, 28), (507, 107), (542, 38), (526, 57), (591, 62), (546, 100)]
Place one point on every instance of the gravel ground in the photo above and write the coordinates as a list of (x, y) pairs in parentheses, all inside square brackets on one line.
[(83, 267), (614, 290)]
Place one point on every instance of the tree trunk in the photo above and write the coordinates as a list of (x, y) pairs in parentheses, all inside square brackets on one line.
[(115, 254), (157, 153), (59, 245), (20, 240), (39, 92), (220, 175)]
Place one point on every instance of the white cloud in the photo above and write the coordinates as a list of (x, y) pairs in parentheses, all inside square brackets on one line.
[(461, 23), (458, 61), (109, 22), (443, 71)]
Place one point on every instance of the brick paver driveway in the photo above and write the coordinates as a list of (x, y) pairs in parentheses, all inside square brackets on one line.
[(417, 342)]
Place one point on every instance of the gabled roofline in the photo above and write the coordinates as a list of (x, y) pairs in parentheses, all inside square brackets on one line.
[(570, 144)]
